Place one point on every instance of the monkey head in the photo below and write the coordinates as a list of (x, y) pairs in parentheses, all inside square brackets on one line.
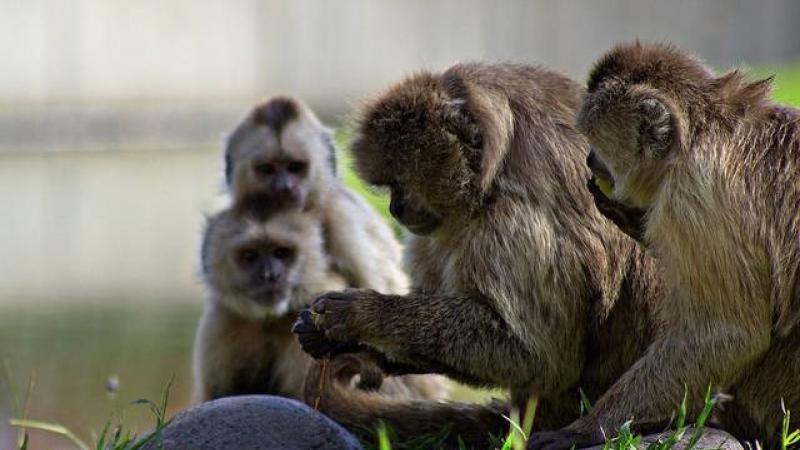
[(279, 157), (436, 142), (635, 115), (255, 266)]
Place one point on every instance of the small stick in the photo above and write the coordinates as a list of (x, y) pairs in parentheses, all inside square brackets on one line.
[(323, 373)]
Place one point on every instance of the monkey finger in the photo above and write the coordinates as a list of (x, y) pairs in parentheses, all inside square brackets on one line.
[(315, 345)]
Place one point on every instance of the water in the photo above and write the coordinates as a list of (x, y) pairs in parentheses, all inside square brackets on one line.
[(70, 352)]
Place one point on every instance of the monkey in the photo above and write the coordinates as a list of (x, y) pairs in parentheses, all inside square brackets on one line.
[(281, 157), (708, 167), (257, 273), (517, 281)]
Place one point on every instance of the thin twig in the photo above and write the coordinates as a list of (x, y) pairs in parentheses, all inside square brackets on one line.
[(323, 374)]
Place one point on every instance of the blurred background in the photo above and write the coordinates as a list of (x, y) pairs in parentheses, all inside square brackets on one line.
[(112, 115)]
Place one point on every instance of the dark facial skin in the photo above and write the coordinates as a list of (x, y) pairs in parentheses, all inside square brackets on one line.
[(629, 219), (263, 271), (284, 181), (418, 220)]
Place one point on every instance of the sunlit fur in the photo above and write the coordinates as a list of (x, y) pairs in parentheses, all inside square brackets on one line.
[(723, 219), (523, 285), (360, 245)]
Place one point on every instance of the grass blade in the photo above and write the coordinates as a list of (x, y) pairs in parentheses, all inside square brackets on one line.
[(52, 428)]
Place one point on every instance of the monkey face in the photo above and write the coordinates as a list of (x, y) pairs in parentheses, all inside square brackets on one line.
[(437, 141), (264, 172), (262, 270), (414, 217), (281, 182), (253, 266), (632, 133), (279, 158)]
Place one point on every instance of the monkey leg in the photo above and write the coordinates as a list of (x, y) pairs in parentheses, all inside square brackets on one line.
[(756, 410)]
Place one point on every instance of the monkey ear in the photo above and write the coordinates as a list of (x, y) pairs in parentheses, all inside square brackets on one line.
[(459, 121), (658, 129), (484, 124)]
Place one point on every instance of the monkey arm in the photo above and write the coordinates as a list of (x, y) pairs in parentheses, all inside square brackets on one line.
[(460, 337)]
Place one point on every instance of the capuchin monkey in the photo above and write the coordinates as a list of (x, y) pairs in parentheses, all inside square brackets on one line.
[(281, 158), (258, 273), (518, 282), (708, 167)]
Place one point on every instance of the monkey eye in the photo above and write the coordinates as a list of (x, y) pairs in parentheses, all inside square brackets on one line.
[(247, 257), (297, 166), (264, 169), (282, 253)]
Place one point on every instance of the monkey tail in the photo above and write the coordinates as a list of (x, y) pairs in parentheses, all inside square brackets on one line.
[(475, 426)]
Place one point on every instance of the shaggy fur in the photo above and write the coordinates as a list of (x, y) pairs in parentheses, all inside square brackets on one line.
[(518, 282), (244, 344), (715, 164), (281, 131)]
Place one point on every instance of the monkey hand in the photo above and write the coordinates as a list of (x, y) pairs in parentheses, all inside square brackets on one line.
[(328, 326), (628, 219), (563, 439)]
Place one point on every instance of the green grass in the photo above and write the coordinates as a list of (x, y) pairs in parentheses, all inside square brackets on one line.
[(625, 438), (114, 435)]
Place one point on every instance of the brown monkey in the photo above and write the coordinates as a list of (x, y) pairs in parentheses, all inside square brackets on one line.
[(708, 166), (280, 157), (257, 273), (515, 285)]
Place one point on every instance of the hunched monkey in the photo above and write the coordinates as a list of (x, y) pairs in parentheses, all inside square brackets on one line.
[(708, 167), (518, 282)]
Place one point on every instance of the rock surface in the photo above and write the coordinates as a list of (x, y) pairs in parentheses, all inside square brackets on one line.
[(712, 438), (253, 422)]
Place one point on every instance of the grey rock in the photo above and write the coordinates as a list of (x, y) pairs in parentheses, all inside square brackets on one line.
[(711, 439), (253, 422)]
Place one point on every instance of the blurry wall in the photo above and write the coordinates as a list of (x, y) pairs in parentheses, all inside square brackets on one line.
[(331, 51), (111, 111)]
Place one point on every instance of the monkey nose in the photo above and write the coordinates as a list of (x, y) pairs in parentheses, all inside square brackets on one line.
[(272, 277)]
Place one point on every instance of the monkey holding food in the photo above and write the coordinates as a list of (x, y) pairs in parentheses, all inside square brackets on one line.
[(518, 282)]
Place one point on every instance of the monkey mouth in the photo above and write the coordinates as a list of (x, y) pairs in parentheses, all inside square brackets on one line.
[(267, 295), (601, 176)]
